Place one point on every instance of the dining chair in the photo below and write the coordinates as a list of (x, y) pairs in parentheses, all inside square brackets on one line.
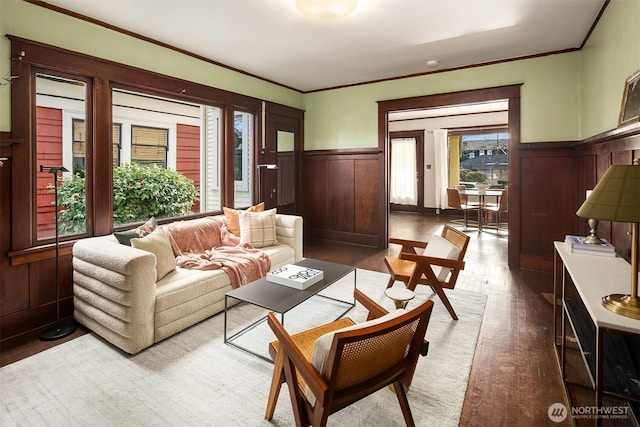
[(464, 199), (454, 202), (499, 209), (330, 367), (436, 263)]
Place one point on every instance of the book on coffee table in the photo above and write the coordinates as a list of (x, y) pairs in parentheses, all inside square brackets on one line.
[(295, 276)]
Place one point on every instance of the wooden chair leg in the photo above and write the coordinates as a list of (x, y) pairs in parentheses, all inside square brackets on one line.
[(299, 411), (404, 403), (443, 297), (391, 281), (276, 383)]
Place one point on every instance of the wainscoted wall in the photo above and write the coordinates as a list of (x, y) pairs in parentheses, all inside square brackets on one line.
[(342, 201), (547, 202), (593, 158), (341, 198)]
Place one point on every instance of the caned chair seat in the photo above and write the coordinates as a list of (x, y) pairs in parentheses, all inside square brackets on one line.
[(329, 367), (305, 341)]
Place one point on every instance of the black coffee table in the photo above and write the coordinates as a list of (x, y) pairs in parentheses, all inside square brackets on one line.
[(281, 299)]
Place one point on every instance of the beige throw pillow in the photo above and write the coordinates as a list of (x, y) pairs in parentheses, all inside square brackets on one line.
[(158, 244), (258, 228), (232, 219)]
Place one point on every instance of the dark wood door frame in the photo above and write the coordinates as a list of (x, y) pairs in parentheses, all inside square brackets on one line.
[(419, 138), (510, 93), (279, 117)]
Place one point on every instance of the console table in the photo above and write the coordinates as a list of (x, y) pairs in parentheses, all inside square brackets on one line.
[(608, 342)]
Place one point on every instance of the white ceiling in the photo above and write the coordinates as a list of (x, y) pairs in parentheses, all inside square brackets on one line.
[(381, 39)]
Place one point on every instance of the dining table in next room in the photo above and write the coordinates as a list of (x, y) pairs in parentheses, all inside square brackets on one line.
[(482, 195)]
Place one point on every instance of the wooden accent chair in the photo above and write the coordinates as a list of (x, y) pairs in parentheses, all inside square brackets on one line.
[(438, 266), (332, 366), (501, 208), (454, 202)]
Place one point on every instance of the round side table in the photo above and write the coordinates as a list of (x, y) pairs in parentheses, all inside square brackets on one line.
[(400, 296)]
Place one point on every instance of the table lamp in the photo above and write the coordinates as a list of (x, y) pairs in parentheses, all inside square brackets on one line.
[(592, 238), (616, 197)]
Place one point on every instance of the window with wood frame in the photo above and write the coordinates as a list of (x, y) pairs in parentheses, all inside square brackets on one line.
[(77, 127)]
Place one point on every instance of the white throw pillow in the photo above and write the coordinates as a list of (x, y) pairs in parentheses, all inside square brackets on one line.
[(439, 247), (158, 244), (258, 228)]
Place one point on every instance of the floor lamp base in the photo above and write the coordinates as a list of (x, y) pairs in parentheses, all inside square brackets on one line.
[(56, 332)]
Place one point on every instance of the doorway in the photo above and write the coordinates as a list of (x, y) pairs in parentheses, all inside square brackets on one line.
[(406, 171), (511, 94), (278, 158)]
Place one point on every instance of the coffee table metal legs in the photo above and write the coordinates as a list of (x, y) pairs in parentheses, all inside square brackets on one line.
[(228, 339)]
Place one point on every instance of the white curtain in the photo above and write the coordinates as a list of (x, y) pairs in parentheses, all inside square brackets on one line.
[(442, 167), (403, 172)]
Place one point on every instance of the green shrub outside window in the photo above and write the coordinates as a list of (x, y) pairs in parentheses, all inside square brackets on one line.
[(139, 193)]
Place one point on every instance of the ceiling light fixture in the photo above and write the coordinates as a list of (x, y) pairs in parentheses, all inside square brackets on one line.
[(326, 8), (433, 63)]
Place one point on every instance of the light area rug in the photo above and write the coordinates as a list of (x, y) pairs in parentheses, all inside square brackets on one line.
[(194, 379)]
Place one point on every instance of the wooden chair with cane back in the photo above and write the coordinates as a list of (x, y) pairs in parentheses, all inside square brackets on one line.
[(332, 366), (436, 263)]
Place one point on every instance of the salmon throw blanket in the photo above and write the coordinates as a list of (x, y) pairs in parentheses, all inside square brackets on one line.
[(206, 244)]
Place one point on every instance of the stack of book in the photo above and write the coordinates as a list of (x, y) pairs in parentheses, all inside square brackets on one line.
[(295, 276), (577, 246)]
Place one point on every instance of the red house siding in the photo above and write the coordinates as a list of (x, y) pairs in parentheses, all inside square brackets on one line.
[(188, 155), (49, 153)]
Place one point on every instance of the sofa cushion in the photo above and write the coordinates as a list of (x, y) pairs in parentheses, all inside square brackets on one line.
[(279, 255), (145, 229), (158, 244), (439, 247), (258, 228), (232, 218)]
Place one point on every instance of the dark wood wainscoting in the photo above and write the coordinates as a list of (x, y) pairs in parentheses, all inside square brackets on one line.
[(341, 201), (547, 202), (27, 281), (554, 178), (593, 158)]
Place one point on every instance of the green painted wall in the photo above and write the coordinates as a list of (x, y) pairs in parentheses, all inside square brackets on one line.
[(611, 55), (565, 97), (5, 70), (348, 117), (39, 24)]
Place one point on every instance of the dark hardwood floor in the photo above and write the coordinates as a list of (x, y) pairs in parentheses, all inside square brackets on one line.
[(515, 376)]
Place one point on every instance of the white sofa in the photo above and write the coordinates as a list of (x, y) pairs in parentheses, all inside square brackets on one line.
[(116, 295)]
